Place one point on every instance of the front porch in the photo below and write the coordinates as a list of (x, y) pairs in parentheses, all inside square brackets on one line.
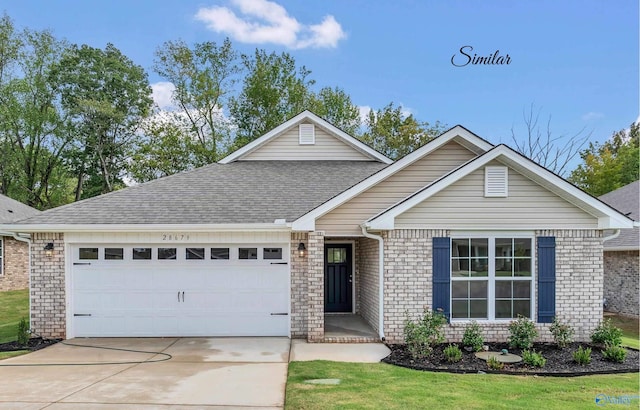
[(348, 328)]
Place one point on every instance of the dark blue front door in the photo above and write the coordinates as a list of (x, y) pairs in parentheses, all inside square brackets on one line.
[(337, 278)]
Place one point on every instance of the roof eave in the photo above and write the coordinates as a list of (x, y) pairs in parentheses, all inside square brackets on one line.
[(38, 228)]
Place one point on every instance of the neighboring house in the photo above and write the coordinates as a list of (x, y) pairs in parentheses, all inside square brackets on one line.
[(622, 254), (14, 248), (306, 221)]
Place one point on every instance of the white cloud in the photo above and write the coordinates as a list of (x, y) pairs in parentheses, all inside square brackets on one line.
[(263, 21), (592, 116), (161, 93), (364, 113)]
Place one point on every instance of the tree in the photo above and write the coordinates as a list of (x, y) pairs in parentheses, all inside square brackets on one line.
[(106, 96), (335, 106), (273, 91), (555, 153), (395, 134), (204, 77), (611, 165)]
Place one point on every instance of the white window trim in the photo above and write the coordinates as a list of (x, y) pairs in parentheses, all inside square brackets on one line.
[(491, 278)]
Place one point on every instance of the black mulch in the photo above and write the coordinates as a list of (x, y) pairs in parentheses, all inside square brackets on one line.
[(559, 361), (35, 343)]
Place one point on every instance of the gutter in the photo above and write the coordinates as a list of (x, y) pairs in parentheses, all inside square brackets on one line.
[(380, 279), (612, 236)]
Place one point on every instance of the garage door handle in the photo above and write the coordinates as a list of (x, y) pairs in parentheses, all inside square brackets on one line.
[(82, 314), (81, 263), (279, 263), (280, 314), (183, 296)]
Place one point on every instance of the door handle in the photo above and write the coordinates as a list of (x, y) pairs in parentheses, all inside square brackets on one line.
[(183, 296), (178, 296)]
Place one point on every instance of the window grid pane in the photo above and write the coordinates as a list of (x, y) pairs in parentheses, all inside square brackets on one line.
[(114, 254), (219, 253)]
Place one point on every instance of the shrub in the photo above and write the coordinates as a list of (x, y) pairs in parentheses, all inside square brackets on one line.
[(473, 336), (533, 358), (23, 332), (614, 353), (562, 333), (421, 335), (607, 333), (582, 356), (494, 364), (523, 332), (452, 353)]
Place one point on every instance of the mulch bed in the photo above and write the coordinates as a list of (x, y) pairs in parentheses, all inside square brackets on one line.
[(559, 361), (35, 343)]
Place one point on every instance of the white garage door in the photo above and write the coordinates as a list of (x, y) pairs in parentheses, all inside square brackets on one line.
[(194, 290)]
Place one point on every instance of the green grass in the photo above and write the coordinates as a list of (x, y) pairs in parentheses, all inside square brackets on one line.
[(379, 385), (6, 355), (14, 305), (630, 330)]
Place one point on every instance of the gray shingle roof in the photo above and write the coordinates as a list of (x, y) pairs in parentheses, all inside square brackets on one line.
[(239, 192), (12, 210), (627, 201)]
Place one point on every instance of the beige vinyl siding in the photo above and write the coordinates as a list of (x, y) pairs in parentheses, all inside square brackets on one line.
[(346, 219), (287, 147), (464, 206)]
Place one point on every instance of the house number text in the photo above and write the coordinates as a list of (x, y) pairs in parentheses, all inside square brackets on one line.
[(174, 236)]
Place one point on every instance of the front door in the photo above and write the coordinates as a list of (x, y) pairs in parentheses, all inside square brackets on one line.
[(338, 279)]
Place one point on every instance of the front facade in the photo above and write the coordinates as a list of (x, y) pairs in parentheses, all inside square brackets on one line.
[(306, 222)]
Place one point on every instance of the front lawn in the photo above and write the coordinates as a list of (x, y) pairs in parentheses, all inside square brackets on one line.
[(630, 331), (379, 385), (14, 305)]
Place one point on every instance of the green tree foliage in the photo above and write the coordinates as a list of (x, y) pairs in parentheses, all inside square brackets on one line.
[(106, 96), (609, 166), (335, 106), (395, 134)]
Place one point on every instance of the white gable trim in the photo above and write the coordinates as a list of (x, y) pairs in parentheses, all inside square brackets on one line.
[(309, 116), (458, 133), (608, 218)]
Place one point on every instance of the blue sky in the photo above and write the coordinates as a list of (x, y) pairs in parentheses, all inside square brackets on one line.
[(577, 61)]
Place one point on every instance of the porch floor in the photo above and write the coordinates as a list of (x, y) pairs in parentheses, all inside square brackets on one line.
[(348, 328)]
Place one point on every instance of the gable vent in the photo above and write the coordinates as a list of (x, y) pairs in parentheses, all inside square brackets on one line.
[(307, 134), (496, 181)]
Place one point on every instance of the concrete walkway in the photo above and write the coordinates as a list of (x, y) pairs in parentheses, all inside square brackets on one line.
[(248, 373)]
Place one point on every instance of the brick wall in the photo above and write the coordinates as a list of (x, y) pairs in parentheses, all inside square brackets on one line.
[(368, 284), (47, 286), (15, 264), (621, 277), (299, 288), (315, 289)]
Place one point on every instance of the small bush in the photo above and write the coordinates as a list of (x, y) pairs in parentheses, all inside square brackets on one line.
[(607, 333), (562, 333), (533, 358), (452, 353), (23, 332), (494, 364), (421, 335), (523, 332), (473, 336), (582, 356), (614, 353)]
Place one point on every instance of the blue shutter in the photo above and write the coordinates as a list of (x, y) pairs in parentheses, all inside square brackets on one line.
[(441, 275), (546, 279)]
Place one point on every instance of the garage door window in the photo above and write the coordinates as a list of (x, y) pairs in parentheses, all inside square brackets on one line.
[(272, 253), (248, 253), (195, 253), (219, 253), (167, 253), (88, 254), (141, 253), (113, 254)]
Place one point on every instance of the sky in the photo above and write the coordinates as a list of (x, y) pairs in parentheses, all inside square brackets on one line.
[(576, 62)]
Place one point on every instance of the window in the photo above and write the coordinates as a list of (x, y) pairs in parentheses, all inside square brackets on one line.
[(113, 254), (141, 253), (219, 253), (195, 253), (272, 253), (1, 255), (88, 254), (336, 255), (167, 253), (491, 278), (248, 253)]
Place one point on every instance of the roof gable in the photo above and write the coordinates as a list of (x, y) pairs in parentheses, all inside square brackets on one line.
[(330, 138), (627, 201), (607, 216)]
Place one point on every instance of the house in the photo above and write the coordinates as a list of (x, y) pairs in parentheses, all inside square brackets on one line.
[(14, 248), (307, 221), (622, 254)]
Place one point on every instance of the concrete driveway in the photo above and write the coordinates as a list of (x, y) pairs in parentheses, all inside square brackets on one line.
[(202, 373)]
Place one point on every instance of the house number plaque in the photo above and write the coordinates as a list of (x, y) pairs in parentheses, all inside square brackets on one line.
[(175, 237)]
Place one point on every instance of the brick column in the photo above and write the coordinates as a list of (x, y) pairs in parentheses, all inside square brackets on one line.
[(315, 282), (48, 313), (299, 288)]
